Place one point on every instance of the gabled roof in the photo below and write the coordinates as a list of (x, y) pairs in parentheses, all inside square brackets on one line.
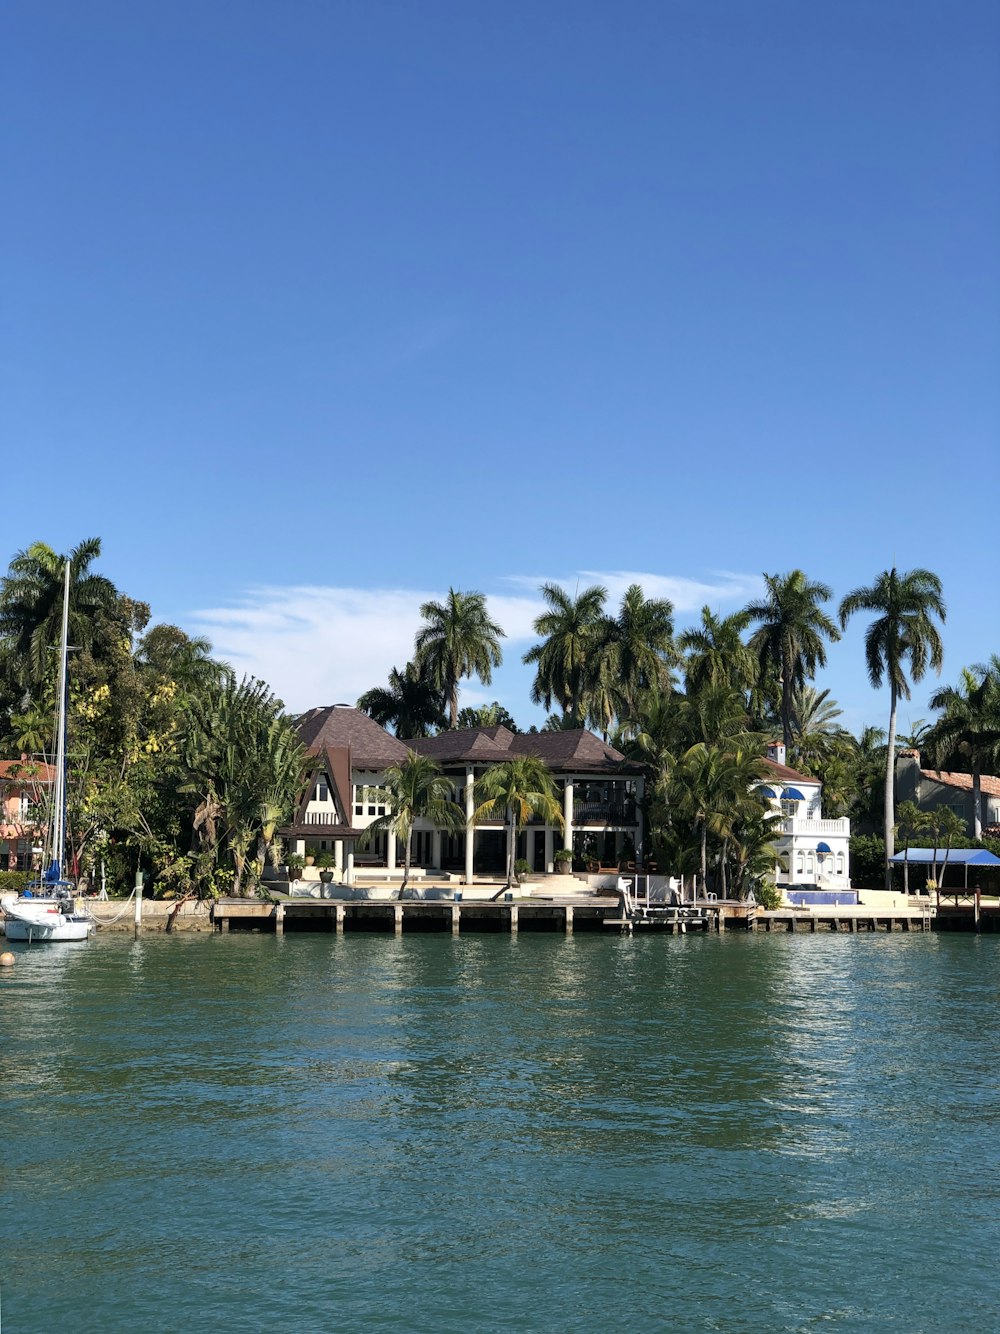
[(988, 784), (955, 856), (786, 775), (338, 725)]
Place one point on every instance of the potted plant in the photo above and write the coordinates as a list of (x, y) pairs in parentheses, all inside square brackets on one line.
[(522, 868), (563, 860), (326, 861), (295, 862)]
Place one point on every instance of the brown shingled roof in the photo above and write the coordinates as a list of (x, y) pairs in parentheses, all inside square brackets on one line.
[(474, 745), (572, 752), (372, 747)]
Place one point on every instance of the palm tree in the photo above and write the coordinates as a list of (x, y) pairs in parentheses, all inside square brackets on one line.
[(969, 728), (903, 633), (514, 791), (459, 639), (410, 705), (790, 638), (643, 638), (415, 789), (187, 660), (572, 631), (910, 821), (31, 596), (716, 653), (241, 758), (708, 786)]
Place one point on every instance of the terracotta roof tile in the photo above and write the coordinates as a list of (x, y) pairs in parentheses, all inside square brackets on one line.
[(989, 785), (787, 775)]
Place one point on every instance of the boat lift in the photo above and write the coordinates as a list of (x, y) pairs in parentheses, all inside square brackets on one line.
[(650, 902)]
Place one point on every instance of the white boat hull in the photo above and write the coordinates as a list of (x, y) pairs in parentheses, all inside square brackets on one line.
[(38, 920)]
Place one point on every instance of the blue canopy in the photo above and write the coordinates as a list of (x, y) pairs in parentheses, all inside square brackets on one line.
[(954, 856), (768, 792), (792, 794), (823, 847)]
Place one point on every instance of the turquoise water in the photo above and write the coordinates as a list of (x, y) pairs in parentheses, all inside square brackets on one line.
[(537, 1133)]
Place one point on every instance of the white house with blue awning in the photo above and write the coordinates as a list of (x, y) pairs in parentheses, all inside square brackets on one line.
[(813, 853)]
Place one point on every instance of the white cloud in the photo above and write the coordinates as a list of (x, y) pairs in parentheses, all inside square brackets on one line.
[(321, 645)]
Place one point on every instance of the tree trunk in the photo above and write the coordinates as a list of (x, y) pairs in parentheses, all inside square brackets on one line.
[(704, 859), (406, 859), (786, 705), (453, 705), (906, 869), (723, 878), (977, 800), (890, 780)]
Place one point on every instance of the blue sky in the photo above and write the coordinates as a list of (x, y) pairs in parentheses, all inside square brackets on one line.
[(311, 310)]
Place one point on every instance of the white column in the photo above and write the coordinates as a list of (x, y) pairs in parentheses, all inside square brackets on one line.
[(550, 848), (300, 847), (338, 853), (529, 847), (349, 874), (390, 851), (436, 849), (568, 814), (470, 836)]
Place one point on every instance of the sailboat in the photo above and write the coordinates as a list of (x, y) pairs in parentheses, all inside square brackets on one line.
[(48, 910)]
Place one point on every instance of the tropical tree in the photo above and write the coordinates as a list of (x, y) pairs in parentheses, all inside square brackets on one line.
[(458, 640), (572, 631), (641, 640), (487, 715), (168, 653), (415, 789), (410, 704), (792, 628), (708, 786), (243, 761), (717, 654), (910, 822), (903, 634), (513, 792), (969, 729), (31, 597)]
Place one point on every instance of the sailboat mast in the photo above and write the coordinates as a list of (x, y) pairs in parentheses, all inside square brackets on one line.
[(59, 803)]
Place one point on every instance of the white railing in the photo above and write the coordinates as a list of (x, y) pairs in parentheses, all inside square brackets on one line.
[(809, 828)]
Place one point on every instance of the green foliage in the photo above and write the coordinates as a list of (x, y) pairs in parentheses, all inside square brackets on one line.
[(15, 880), (457, 640), (325, 859), (768, 895), (522, 867), (867, 854)]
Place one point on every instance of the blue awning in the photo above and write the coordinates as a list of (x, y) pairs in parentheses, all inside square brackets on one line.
[(768, 792), (954, 857), (792, 794), (823, 847)]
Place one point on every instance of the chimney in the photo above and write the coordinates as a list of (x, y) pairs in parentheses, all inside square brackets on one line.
[(776, 751)]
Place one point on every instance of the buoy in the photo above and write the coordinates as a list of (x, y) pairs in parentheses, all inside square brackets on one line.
[(7, 959)]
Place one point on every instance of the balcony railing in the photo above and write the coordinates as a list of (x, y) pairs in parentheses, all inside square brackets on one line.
[(603, 812), (809, 828)]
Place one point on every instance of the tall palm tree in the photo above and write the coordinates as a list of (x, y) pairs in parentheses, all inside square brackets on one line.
[(969, 728), (458, 640), (513, 792), (716, 652), (902, 634), (572, 631), (641, 637), (410, 704), (187, 660), (31, 594), (790, 637), (415, 789)]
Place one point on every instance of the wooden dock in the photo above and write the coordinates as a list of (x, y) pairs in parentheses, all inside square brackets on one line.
[(565, 915)]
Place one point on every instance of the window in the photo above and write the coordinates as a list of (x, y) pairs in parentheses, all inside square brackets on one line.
[(322, 790), (789, 809)]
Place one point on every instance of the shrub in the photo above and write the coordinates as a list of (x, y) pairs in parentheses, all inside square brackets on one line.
[(15, 880), (522, 868), (325, 860), (767, 895)]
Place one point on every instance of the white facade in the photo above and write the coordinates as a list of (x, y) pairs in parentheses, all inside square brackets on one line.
[(813, 852)]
